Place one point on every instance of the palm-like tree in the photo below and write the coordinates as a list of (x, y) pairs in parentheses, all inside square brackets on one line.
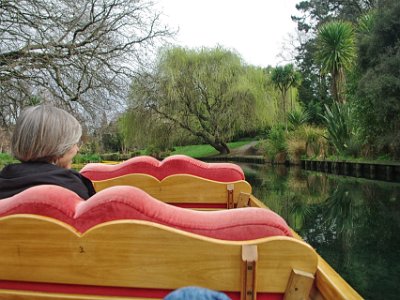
[(336, 53), (284, 77)]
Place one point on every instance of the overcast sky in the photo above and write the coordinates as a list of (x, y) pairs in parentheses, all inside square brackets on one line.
[(256, 29)]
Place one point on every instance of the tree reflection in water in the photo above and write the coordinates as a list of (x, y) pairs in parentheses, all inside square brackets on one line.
[(353, 223)]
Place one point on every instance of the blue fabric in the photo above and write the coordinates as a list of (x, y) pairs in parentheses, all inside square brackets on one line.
[(196, 293)]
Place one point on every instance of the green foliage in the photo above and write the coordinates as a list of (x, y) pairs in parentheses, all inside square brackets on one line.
[(112, 141), (341, 135), (6, 159), (297, 118), (365, 23), (207, 93), (377, 98), (314, 87), (87, 158), (89, 147), (276, 142), (157, 152), (141, 127), (336, 46), (195, 151), (296, 148), (284, 77), (314, 110), (259, 82), (316, 144), (116, 156), (336, 53), (198, 151), (306, 141)]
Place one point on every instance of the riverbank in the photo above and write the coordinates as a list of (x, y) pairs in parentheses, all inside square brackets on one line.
[(388, 171), (375, 170)]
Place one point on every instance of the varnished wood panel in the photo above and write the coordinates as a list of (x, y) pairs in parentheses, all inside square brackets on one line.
[(179, 188), (140, 254)]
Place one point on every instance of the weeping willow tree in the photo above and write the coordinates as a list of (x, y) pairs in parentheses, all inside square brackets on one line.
[(206, 93)]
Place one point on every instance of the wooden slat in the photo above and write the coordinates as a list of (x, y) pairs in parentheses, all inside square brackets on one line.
[(249, 272), (299, 286), (277, 260), (254, 202), (140, 254), (179, 188), (28, 295), (244, 200), (329, 284)]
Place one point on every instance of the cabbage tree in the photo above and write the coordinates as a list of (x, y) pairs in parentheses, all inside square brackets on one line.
[(336, 54)]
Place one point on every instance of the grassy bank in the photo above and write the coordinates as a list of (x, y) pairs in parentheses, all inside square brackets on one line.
[(195, 151), (6, 159)]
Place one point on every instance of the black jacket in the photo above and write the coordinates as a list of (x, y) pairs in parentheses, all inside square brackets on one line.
[(15, 178)]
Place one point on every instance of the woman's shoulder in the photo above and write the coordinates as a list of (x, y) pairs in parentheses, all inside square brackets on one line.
[(24, 168)]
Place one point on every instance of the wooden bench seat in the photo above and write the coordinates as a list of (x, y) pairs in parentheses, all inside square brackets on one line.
[(56, 246), (178, 180)]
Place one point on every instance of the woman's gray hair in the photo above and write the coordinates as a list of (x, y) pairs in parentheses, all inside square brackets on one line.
[(44, 133)]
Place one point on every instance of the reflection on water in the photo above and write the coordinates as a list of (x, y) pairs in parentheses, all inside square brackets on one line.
[(353, 223)]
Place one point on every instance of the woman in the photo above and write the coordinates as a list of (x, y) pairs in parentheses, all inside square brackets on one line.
[(45, 140)]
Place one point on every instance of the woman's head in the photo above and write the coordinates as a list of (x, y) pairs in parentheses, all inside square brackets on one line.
[(45, 133)]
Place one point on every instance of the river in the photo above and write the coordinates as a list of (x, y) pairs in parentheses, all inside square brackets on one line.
[(353, 223)]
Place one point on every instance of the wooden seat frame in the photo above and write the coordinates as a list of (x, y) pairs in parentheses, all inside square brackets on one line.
[(141, 254)]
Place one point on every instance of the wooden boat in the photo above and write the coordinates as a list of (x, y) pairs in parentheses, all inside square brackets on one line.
[(154, 227)]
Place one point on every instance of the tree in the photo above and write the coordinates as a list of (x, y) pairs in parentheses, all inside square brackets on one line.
[(336, 53), (313, 89), (79, 54), (316, 12), (204, 91), (284, 77), (377, 100), (314, 86)]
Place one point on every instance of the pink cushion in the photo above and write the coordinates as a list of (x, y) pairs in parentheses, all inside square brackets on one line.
[(125, 202), (45, 200), (176, 164)]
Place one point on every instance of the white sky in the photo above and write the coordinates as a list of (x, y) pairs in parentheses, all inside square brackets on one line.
[(256, 29)]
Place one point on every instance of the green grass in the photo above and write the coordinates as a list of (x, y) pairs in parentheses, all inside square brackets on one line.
[(5, 159), (197, 151), (86, 158)]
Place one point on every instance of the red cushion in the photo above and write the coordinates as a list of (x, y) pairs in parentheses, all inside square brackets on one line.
[(125, 202), (176, 164), (108, 290), (45, 200)]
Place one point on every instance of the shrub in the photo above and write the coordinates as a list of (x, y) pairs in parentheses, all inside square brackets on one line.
[(116, 156), (86, 158), (276, 142), (306, 141), (297, 118), (337, 122), (6, 159), (296, 148)]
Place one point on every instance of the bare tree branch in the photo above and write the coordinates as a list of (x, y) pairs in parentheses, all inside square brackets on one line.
[(85, 51)]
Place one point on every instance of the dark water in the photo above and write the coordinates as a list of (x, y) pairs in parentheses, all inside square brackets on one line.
[(354, 224)]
